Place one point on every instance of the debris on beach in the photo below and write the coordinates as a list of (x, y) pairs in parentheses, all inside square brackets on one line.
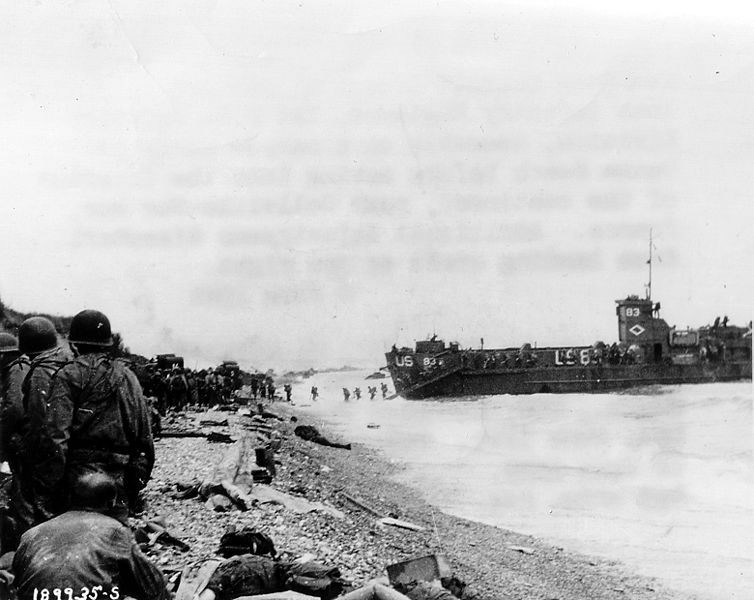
[(521, 549), (398, 523)]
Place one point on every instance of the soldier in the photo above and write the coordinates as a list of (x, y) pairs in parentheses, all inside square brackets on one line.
[(13, 369), (201, 387), (372, 391), (193, 391), (288, 390), (83, 549), (383, 387), (177, 389), (37, 339), (315, 392), (357, 393), (159, 390), (96, 421), (227, 383), (346, 394), (210, 387)]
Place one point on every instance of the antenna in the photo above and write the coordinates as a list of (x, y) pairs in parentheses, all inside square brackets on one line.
[(649, 262)]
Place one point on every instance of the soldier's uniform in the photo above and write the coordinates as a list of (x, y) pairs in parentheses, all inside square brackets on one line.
[(28, 375), (13, 369), (11, 408), (35, 388), (96, 419), (85, 551)]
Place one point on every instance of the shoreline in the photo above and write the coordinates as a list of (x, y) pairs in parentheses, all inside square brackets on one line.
[(496, 563)]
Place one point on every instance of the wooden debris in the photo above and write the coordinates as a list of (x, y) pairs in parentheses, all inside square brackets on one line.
[(265, 494), (521, 549), (362, 505), (398, 523)]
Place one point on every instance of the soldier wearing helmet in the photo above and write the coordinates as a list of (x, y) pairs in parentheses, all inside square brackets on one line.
[(13, 369), (37, 340), (96, 421), (9, 355)]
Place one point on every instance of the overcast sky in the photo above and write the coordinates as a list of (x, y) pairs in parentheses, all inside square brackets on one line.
[(297, 184)]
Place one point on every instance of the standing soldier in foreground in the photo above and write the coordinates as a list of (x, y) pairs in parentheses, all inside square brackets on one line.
[(38, 340), (13, 369), (96, 421)]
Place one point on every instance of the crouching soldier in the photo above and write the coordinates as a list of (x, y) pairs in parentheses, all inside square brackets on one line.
[(96, 421), (83, 549)]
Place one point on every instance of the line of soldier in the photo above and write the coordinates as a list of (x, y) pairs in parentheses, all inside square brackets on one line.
[(175, 388), (264, 387), (371, 389), (66, 413)]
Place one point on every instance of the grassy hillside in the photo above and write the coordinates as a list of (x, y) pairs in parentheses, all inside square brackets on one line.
[(11, 319)]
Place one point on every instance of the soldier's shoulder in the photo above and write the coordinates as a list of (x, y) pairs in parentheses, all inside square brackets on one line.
[(124, 364), (53, 359), (21, 363), (126, 367)]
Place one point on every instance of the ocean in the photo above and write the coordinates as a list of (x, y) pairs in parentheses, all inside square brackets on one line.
[(660, 479)]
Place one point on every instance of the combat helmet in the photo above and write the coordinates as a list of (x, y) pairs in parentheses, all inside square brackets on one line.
[(8, 343), (90, 327), (36, 335)]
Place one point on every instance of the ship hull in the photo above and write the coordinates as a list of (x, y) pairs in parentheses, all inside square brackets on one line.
[(649, 352), (571, 379)]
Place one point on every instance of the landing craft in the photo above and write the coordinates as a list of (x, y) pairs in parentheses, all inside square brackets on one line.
[(648, 352)]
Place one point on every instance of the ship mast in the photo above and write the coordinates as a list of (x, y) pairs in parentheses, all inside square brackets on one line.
[(649, 262)]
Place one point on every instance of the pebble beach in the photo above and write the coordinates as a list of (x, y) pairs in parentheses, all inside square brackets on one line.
[(496, 564)]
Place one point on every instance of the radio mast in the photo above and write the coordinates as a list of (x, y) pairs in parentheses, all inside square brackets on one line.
[(649, 262)]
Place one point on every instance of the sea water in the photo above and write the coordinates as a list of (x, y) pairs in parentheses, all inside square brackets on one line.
[(661, 479)]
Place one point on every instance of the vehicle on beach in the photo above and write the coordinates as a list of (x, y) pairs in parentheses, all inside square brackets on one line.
[(168, 361)]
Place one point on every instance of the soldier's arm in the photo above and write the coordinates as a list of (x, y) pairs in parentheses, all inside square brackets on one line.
[(11, 408), (7, 426), (53, 425), (140, 417), (36, 394), (140, 577)]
